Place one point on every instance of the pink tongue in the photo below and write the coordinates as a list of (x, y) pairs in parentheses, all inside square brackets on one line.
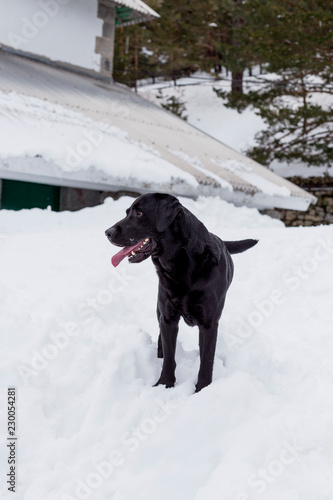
[(124, 252)]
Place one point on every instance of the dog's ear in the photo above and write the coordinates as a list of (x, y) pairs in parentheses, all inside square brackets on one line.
[(166, 210)]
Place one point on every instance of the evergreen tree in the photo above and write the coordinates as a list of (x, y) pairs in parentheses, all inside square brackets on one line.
[(294, 38), (178, 38), (190, 35), (161, 47), (231, 16), (173, 104), (291, 39), (183, 40)]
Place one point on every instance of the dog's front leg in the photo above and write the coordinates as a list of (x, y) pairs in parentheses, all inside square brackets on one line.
[(168, 339), (159, 347), (207, 345)]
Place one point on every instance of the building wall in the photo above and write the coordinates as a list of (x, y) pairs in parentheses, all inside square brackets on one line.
[(61, 30), (75, 199), (18, 195)]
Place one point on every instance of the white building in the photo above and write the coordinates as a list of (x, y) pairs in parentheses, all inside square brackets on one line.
[(70, 32)]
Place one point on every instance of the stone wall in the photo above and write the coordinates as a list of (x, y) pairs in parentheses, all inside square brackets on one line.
[(75, 199), (321, 213)]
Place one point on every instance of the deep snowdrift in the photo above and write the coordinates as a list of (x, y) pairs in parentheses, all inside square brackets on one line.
[(79, 343)]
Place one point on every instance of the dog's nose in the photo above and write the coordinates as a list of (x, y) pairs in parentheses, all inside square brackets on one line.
[(110, 232)]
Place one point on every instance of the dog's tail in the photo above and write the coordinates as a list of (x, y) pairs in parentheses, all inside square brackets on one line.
[(240, 246)]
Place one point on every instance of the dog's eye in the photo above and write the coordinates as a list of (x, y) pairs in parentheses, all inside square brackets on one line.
[(139, 213)]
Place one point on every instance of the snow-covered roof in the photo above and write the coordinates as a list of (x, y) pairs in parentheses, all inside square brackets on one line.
[(62, 128), (138, 6)]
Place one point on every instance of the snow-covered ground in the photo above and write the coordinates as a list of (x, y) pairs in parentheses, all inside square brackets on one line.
[(205, 110), (78, 341)]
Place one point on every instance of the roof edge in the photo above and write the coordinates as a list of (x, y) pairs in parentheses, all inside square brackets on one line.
[(71, 68), (47, 172), (145, 13)]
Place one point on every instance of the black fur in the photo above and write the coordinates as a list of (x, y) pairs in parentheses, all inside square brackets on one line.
[(239, 246), (195, 270)]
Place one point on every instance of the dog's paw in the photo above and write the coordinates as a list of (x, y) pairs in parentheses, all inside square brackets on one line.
[(201, 385), (168, 383)]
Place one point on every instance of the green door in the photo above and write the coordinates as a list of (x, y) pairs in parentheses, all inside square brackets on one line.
[(16, 195)]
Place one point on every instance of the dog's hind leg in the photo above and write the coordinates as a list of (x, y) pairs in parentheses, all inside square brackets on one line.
[(159, 342)]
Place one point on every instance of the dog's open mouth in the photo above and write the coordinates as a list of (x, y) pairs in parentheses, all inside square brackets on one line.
[(135, 253)]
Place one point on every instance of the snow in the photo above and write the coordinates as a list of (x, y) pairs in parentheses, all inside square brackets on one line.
[(195, 161), (139, 6), (246, 172), (205, 110), (73, 142), (113, 140), (79, 343)]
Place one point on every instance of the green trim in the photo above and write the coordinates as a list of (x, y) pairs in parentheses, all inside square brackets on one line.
[(126, 15), (16, 195)]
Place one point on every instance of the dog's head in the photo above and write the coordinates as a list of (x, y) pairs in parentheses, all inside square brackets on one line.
[(140, 232)]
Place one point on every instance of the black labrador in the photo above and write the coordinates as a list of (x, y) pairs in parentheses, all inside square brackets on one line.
[(194, 267)]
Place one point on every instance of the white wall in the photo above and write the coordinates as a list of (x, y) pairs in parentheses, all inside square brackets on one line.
[(62, 30)]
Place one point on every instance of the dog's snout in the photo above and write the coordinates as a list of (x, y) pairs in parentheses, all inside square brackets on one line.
[(110, 232)]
